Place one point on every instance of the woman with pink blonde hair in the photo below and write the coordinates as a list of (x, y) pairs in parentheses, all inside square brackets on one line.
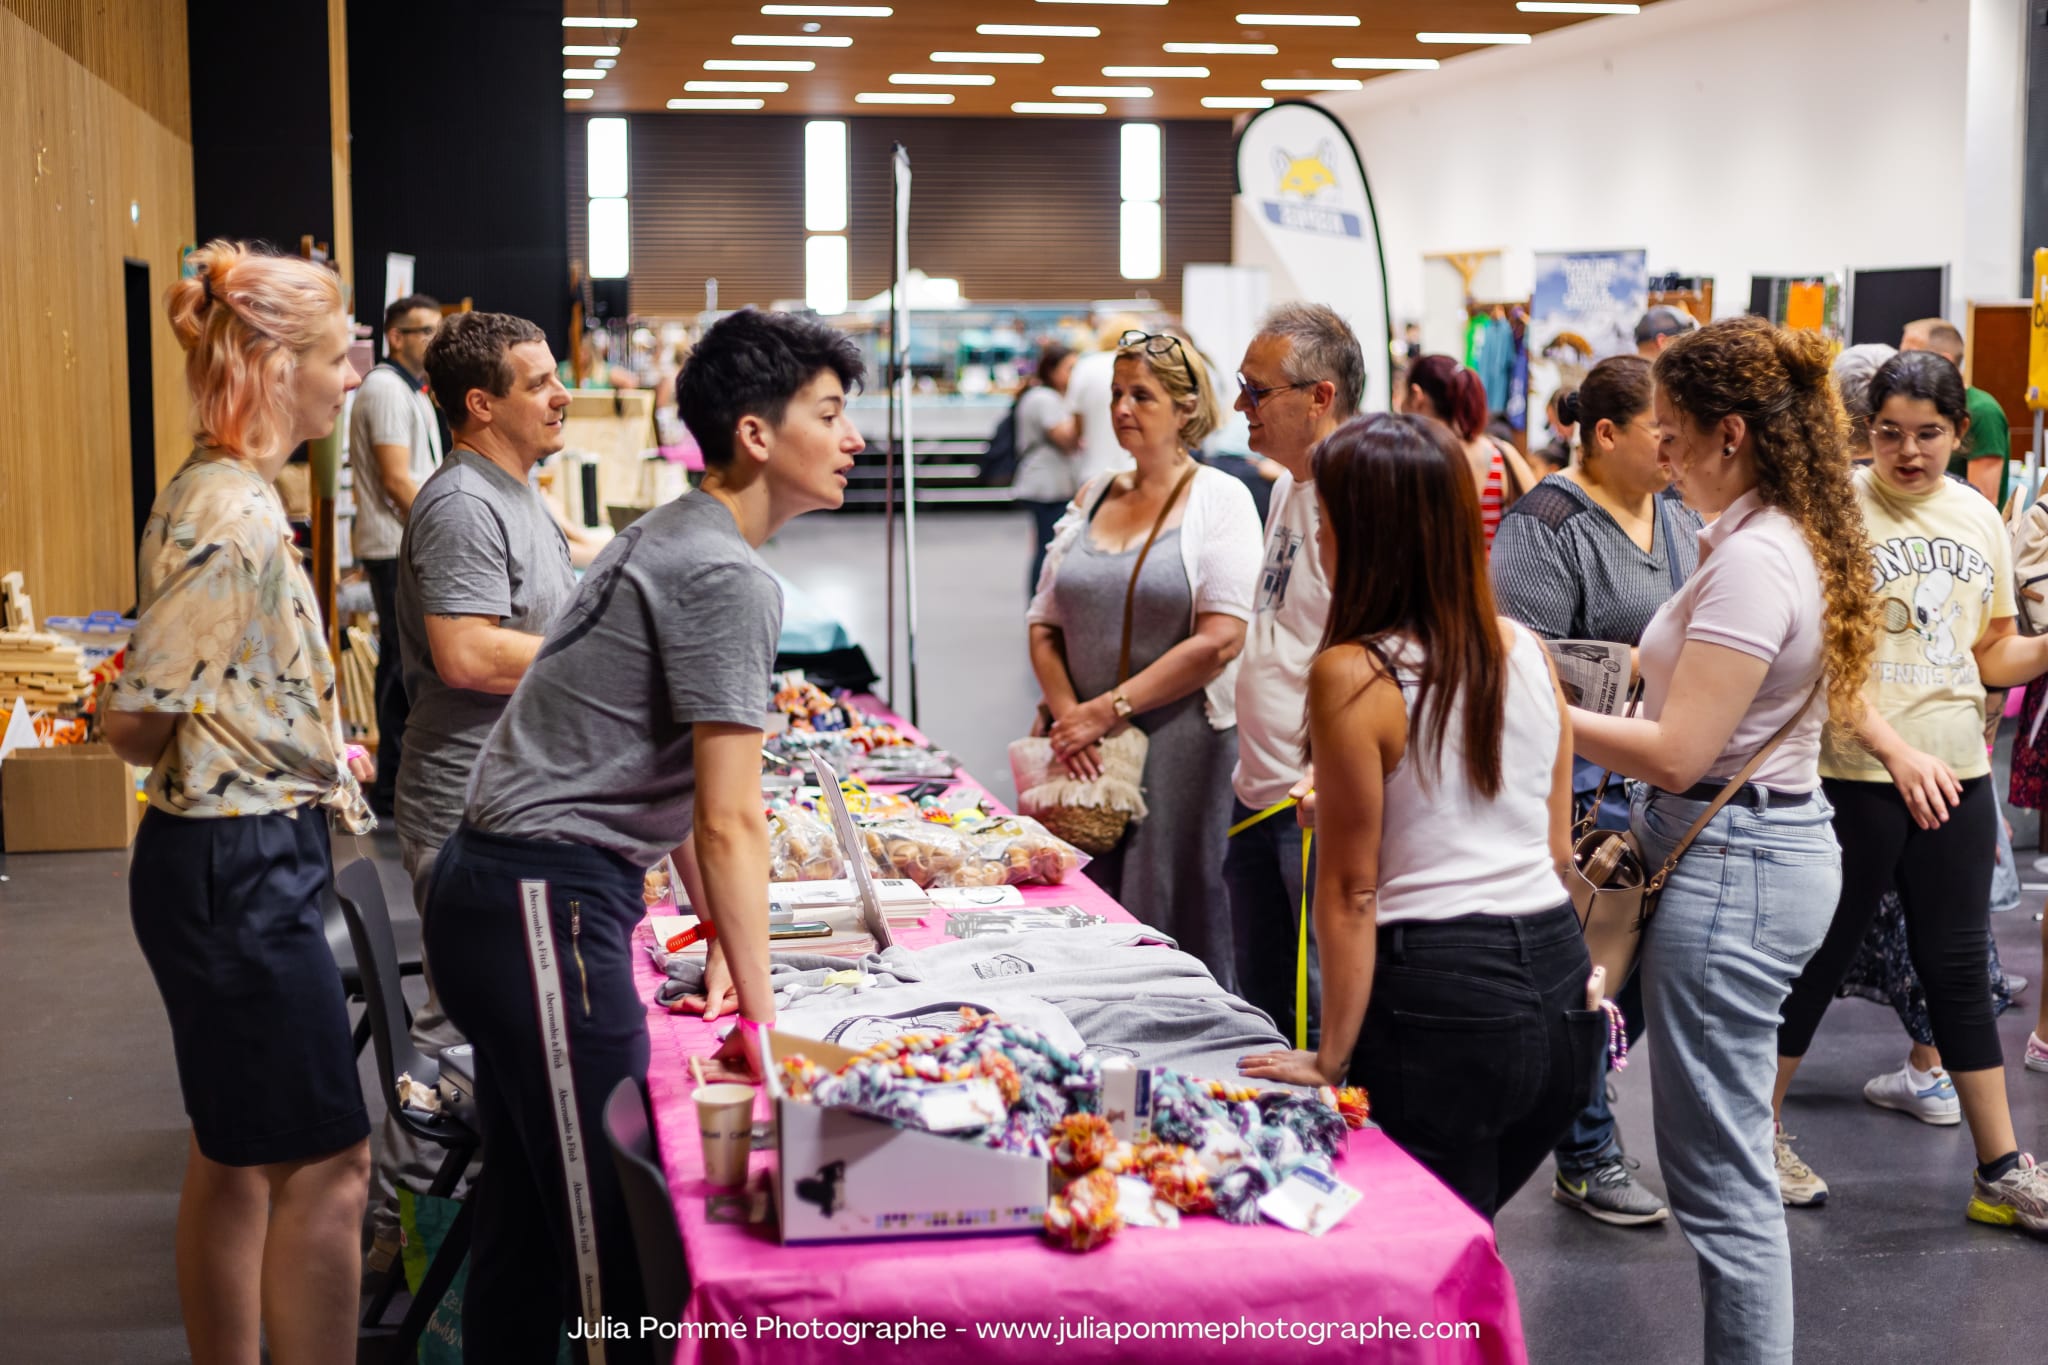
[(228, 698)]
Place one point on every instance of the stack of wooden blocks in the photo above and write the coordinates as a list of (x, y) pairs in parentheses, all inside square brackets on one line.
[(43, 669)]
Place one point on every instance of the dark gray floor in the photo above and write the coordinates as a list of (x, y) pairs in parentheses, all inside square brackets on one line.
[(92, 1137)]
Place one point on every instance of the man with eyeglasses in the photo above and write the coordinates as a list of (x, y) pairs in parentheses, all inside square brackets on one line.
[(1301, 379), (394, 443)]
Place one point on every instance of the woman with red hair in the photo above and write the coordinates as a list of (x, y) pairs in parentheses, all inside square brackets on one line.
[(228, 698), (1440, 387)]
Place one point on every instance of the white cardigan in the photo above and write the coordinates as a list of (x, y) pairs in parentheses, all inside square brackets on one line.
[(1221, 542)]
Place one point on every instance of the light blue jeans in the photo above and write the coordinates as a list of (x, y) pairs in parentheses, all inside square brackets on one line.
[(1749, 903)]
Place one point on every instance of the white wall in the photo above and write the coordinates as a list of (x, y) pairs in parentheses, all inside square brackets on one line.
[(1728, 137)]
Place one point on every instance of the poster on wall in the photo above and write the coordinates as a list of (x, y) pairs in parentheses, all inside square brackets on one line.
[(1584, 309), (1304, 214)]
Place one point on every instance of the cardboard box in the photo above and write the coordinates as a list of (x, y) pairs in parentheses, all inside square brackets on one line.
[(72, 797), (840, 1174)]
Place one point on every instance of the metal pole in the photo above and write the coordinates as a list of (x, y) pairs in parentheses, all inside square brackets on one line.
[(2034, 457), (889, 486), (902, 329)]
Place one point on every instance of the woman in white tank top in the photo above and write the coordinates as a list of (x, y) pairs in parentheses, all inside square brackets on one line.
[(1454, 975)]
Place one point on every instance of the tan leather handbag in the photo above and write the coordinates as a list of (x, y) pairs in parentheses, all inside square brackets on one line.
[(1613, 897)]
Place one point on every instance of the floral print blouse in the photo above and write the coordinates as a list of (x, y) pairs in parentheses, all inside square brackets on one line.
[(229, 638)]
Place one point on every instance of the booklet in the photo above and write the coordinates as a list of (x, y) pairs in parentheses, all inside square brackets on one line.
[(1595, 674)]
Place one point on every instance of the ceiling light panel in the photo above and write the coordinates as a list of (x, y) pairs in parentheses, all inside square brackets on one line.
[(1472, 39), (1037, 31), (1334, 83), (1144, 73), (1222, 49), (781, 40), (1385, 63), (728, 64), (736, 87), (1237, 101), (589, 50), (939, 78), (582, 73), (578, 94), (1046, 107), (716, 103), (1103, 92), (991, 58), (1298, 20), (1102, 2), (1557, 7), (900, 97), (599, 23), (830, 11)]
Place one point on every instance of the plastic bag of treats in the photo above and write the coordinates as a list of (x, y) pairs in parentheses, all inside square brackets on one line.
[(1023, 851), (917, 850), (802, 847)]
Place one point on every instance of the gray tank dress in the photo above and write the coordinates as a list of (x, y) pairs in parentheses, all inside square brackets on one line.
[(1168, 868)]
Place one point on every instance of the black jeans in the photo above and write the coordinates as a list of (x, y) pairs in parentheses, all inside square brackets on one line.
[(1943, 877), (1478, 1048), (1044, 516), (531, 945), (1262, 870), (393, 706)]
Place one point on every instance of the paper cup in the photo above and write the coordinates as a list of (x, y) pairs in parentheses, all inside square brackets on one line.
[(725, 1122)]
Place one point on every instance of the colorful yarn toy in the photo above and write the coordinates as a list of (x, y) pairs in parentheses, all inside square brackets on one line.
[(1084, 1215), (1080, 1142), (1617, 1036)]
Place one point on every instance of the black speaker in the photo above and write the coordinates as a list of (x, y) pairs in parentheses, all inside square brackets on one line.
[(610, 300)]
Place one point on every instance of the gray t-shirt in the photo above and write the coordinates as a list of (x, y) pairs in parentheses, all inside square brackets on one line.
[(480, 543), (676, 624), (390, 410), (1045, 473)]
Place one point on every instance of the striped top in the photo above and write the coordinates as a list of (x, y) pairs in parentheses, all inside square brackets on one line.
[(1563, 567), (1490, 497)]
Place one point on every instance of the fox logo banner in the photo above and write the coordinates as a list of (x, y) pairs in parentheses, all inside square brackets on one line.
[(1304, 213)]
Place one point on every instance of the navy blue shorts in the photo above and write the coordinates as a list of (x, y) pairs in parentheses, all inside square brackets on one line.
[(228, 915)]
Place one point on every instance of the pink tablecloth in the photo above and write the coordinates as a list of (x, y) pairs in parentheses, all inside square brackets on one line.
[(1411, 1276)]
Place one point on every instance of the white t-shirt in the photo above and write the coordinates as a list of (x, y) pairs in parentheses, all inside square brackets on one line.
[(1088, 399), (1286, 630), (390, 410), (1447, 851), (1758, 591)]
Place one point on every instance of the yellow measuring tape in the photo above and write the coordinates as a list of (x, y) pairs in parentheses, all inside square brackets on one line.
[(1301, 945)]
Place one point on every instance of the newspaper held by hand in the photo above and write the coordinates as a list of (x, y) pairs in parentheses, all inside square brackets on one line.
[(1595, 674)]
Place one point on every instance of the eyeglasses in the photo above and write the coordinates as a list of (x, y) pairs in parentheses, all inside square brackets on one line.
[(1891, 436), (1160, 344), (1255, 394)]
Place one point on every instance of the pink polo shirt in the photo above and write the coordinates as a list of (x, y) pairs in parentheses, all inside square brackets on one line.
[(1758, 591)]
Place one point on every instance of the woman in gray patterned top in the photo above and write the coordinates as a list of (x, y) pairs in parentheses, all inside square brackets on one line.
[(1590, 554)]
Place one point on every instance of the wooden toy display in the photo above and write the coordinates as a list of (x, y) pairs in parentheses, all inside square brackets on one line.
[(36, 666)]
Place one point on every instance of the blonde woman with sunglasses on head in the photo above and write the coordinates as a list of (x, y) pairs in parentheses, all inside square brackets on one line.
[(1176, 545)]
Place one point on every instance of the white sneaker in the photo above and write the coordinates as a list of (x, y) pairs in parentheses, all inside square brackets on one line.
[(1936, 1104), (1797, 1182)]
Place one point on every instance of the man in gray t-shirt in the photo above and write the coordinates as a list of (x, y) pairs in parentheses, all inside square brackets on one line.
[(481, 573), (637, 731)]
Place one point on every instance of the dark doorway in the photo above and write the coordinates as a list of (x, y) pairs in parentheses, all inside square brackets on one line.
[(141, 394)]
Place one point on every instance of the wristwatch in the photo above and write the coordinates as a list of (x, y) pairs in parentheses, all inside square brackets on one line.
[(1121, 705)]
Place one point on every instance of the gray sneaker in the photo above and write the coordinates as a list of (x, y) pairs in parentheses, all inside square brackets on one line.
[(1610, 1192), (2019, 1199)]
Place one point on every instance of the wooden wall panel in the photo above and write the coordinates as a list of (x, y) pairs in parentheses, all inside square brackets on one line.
[(1018, 210), (78, 154), (136, 46)]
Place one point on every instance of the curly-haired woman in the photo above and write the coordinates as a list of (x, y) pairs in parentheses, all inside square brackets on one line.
[(1775, 630)]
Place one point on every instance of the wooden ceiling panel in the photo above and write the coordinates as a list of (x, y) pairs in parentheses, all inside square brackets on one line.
[(673, 39)]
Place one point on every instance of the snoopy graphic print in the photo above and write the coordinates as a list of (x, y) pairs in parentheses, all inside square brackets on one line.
[(1941, 574)]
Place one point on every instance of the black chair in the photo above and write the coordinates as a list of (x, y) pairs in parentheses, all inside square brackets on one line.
[(405, 937), (361, 898), (664, 1274)]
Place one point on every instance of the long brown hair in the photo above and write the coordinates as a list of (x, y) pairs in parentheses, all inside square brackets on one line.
[(1778, 382), (1411, 562)]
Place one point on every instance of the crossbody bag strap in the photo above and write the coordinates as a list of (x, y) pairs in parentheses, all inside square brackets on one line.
[(1727, 793), (1123, 658), (1592, 815)]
